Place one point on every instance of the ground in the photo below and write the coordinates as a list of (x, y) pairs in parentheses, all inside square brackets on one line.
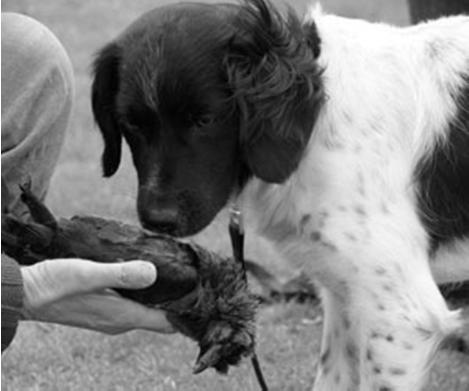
[(49, 357)]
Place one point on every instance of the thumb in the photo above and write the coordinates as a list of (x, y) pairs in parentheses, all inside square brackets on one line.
[(94, 276), (135, 274), (58, 278)]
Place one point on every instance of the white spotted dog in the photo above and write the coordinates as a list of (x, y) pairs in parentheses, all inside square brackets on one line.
[(347, 141)]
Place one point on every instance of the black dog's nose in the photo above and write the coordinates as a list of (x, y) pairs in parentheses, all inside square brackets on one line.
[(160, 220)]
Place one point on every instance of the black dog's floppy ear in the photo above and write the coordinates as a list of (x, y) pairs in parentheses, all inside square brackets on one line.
[(103, 101), (276, 86)]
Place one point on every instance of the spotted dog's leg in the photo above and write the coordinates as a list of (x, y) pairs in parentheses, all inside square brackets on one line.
[(384, 315), (335, 369)]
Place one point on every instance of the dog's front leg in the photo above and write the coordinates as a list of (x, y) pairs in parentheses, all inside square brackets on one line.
[(384, 315)]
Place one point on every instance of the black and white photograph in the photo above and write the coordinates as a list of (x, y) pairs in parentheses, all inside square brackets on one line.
[(240, 195)]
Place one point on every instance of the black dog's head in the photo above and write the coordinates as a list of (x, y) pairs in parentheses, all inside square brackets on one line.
[(206, 96)]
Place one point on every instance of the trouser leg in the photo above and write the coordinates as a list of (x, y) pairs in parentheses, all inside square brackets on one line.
[(37, 98)]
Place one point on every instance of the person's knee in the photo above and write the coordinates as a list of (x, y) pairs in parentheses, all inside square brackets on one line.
[(37, 83), (32, 46)]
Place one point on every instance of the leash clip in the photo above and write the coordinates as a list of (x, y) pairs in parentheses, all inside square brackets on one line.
[(236, 218)]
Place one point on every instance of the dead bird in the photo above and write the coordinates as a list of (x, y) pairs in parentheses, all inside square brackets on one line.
[(205, 295)]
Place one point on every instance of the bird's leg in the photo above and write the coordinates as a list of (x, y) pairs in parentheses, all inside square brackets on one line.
[(39, 212)]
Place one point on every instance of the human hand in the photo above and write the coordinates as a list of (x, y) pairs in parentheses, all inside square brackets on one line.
[(76, 292)]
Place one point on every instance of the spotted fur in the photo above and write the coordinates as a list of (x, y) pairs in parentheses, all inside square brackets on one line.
[(365, 192)]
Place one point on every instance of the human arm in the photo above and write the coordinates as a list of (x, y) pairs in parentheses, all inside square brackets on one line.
[(76, 292)]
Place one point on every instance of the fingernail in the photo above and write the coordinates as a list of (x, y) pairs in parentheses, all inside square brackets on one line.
[(140, 273)]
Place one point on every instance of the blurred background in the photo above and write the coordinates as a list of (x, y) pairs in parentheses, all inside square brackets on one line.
[(49, 357)]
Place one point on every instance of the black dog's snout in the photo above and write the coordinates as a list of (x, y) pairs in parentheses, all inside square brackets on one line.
[(160, 220)]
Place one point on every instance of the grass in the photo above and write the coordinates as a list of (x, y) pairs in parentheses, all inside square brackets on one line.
[(50, 357)]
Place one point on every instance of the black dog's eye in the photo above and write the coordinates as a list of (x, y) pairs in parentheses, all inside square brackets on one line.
[(140, 117), (201, 120), (134, 130), (130, 127)]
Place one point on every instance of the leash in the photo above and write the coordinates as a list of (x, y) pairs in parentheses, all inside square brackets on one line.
[(236, 229)]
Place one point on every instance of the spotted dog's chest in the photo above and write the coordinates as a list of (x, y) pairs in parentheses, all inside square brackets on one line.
[(329, 203)]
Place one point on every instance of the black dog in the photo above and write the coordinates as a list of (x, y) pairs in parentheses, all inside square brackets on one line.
[(349, 139)]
